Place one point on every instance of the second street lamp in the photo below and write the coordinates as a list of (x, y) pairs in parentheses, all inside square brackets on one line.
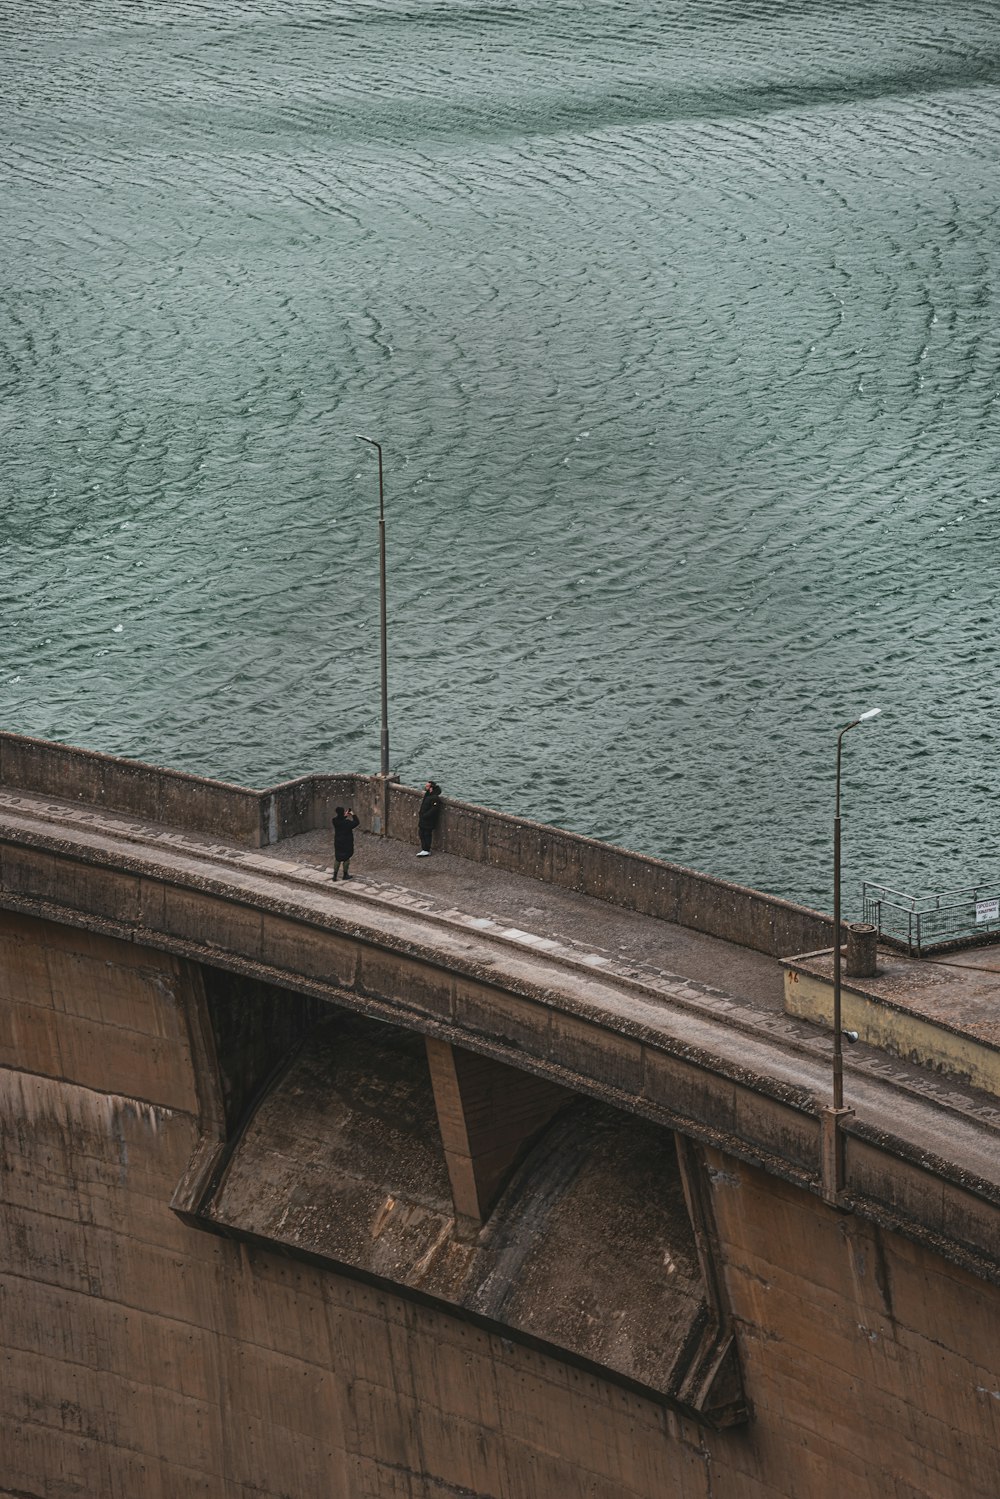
[(838, 1049), (381, 597)]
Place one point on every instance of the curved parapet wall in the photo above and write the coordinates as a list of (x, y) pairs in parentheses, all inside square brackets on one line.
[(143, 791), (175, 798), (256, 818)]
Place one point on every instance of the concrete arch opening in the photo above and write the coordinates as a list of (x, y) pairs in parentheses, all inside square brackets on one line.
[(512, 1201)]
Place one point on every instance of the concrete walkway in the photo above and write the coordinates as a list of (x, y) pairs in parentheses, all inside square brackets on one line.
[(547, 913), (729, 982)]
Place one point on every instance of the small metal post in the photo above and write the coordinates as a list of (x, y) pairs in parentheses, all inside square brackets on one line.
[(838, 1048), (833, 1157)]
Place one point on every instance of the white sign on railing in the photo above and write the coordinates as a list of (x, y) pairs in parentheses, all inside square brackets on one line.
[(988, 910)]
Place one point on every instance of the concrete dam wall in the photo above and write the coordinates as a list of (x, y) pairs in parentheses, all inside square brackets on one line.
[(145, 1355), (305, 1194)]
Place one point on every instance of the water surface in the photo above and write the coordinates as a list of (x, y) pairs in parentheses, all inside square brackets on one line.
[(677, 320)]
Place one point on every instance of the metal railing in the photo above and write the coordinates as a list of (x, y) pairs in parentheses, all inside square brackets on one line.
[(923, 923)]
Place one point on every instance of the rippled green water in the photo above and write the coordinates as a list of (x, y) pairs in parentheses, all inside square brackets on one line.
[(678, 323)]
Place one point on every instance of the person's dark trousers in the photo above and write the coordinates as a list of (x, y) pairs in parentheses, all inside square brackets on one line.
[(426, 835), (346, 863)]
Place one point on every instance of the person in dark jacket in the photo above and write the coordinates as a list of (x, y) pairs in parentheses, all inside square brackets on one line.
[(430, 811), (344, 824)]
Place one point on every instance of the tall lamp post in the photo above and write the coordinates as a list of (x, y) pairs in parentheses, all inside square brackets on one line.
[(381, 596), (838, 1045)]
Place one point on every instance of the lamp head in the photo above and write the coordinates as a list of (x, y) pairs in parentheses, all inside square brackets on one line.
[(872, 713)]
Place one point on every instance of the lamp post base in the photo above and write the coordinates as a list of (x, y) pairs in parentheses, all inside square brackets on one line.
[(831, 1156), (380, 811)]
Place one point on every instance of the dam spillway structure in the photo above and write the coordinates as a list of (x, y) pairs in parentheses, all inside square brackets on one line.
[(499, 1174)]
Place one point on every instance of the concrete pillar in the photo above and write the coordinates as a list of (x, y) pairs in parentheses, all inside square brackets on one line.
[(862, 953), (488, 1114), (831, 1155)]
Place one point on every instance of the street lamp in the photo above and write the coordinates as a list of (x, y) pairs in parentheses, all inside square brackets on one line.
[(838, 1050), (381, 595)]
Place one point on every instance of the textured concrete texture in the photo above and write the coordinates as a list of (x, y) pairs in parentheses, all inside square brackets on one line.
[(725, 1069), (145, 1356), (405, 1187), (943, 1012), (540, 916), (589, 1248)]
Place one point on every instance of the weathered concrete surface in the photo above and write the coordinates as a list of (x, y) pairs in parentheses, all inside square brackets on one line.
[(489, 1115), (942, 1012), (589, 1249), (897, 1341), (55, 1015), (634, 882), (157, 983), (543, 917), (143, 791), (145, 1357), (681, 1053)]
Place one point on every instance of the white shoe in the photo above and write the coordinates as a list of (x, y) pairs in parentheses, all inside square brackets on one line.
[(424, 853)]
